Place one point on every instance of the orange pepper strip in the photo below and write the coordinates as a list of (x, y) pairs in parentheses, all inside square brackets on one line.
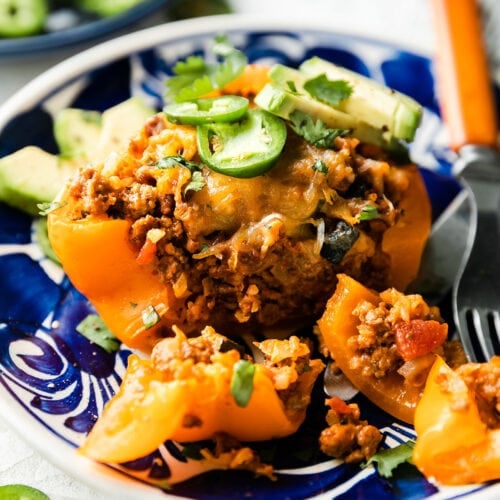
[(150, 409), (143, 413), (101, 263), (405, 241), (336, 326), (454, 446), (250, 82)]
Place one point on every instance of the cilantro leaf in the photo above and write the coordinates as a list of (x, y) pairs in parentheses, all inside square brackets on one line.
[(177, 161), (314, 131), (150, 317), (197, 182), (388, 459), (48, 206), (94, 329), (330, 92), (320, 166), (242, 382), (368, 212), (194, 77)]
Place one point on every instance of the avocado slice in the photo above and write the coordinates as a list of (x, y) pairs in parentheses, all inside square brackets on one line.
[(31, 176), (371, 102), (77, 132), (119, 124), (374, 113), (283, 103)]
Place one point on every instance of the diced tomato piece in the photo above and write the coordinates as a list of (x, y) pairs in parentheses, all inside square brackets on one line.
[(419, 337), (339, 405), (146, 253)]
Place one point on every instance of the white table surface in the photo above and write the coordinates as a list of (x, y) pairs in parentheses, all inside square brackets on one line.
[(406, 22)]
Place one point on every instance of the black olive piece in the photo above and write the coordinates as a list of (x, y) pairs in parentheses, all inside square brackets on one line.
[(338, 242)]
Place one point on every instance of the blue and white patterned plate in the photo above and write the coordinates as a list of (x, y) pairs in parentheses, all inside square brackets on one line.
[(53, 382)]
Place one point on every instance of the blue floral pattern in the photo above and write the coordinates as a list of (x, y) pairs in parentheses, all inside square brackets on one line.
[(63, 380)]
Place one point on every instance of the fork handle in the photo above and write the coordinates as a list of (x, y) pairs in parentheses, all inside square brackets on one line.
[(465, 87)]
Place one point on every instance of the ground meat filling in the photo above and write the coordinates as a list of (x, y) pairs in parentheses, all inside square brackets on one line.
[(375, 349), (249, 251), (484, 381), (348, 437)]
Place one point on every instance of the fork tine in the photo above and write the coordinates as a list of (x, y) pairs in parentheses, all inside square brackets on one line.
[(495, 337), (478, 339), (467, 332)]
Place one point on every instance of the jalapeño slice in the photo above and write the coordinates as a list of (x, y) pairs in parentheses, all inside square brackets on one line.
[(227, 108), (242, 149)]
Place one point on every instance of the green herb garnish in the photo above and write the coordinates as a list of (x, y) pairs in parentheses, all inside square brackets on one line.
[(388, 459), (46, 207), (150, 317), (194, 77), (314, 131), (177, 161), (368, 212), (94, 329), (242, 382), (196, 183), (328, 91), (320, 166)]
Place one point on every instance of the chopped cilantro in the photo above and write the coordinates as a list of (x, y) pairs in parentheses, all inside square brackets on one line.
[(196, 183), (177, 161), (328, 91), (320, 166), (194, 77), (47, 207), (314, 131), (150, 317), (388, 459), (94, 329), (242, 382), (368, 212)]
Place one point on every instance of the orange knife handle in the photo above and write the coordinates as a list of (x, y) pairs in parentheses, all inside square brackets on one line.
[(465, 86)]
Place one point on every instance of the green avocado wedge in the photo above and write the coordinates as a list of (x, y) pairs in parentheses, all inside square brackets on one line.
[(342, 99)]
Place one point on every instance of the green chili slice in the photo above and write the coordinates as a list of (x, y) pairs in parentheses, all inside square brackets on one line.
[(243, 149), (228, 108)]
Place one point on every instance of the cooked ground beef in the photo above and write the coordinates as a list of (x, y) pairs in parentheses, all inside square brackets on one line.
[(347, 436), (247, 251), (375, 349), (484, 380)]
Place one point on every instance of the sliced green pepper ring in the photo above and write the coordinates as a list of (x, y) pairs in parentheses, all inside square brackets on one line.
[(243, 149), (228, 108)]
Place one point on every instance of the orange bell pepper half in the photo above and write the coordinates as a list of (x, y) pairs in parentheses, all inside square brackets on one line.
[(405, 241), (186, 399), (102, 264), (454, 445), (338, 324)]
